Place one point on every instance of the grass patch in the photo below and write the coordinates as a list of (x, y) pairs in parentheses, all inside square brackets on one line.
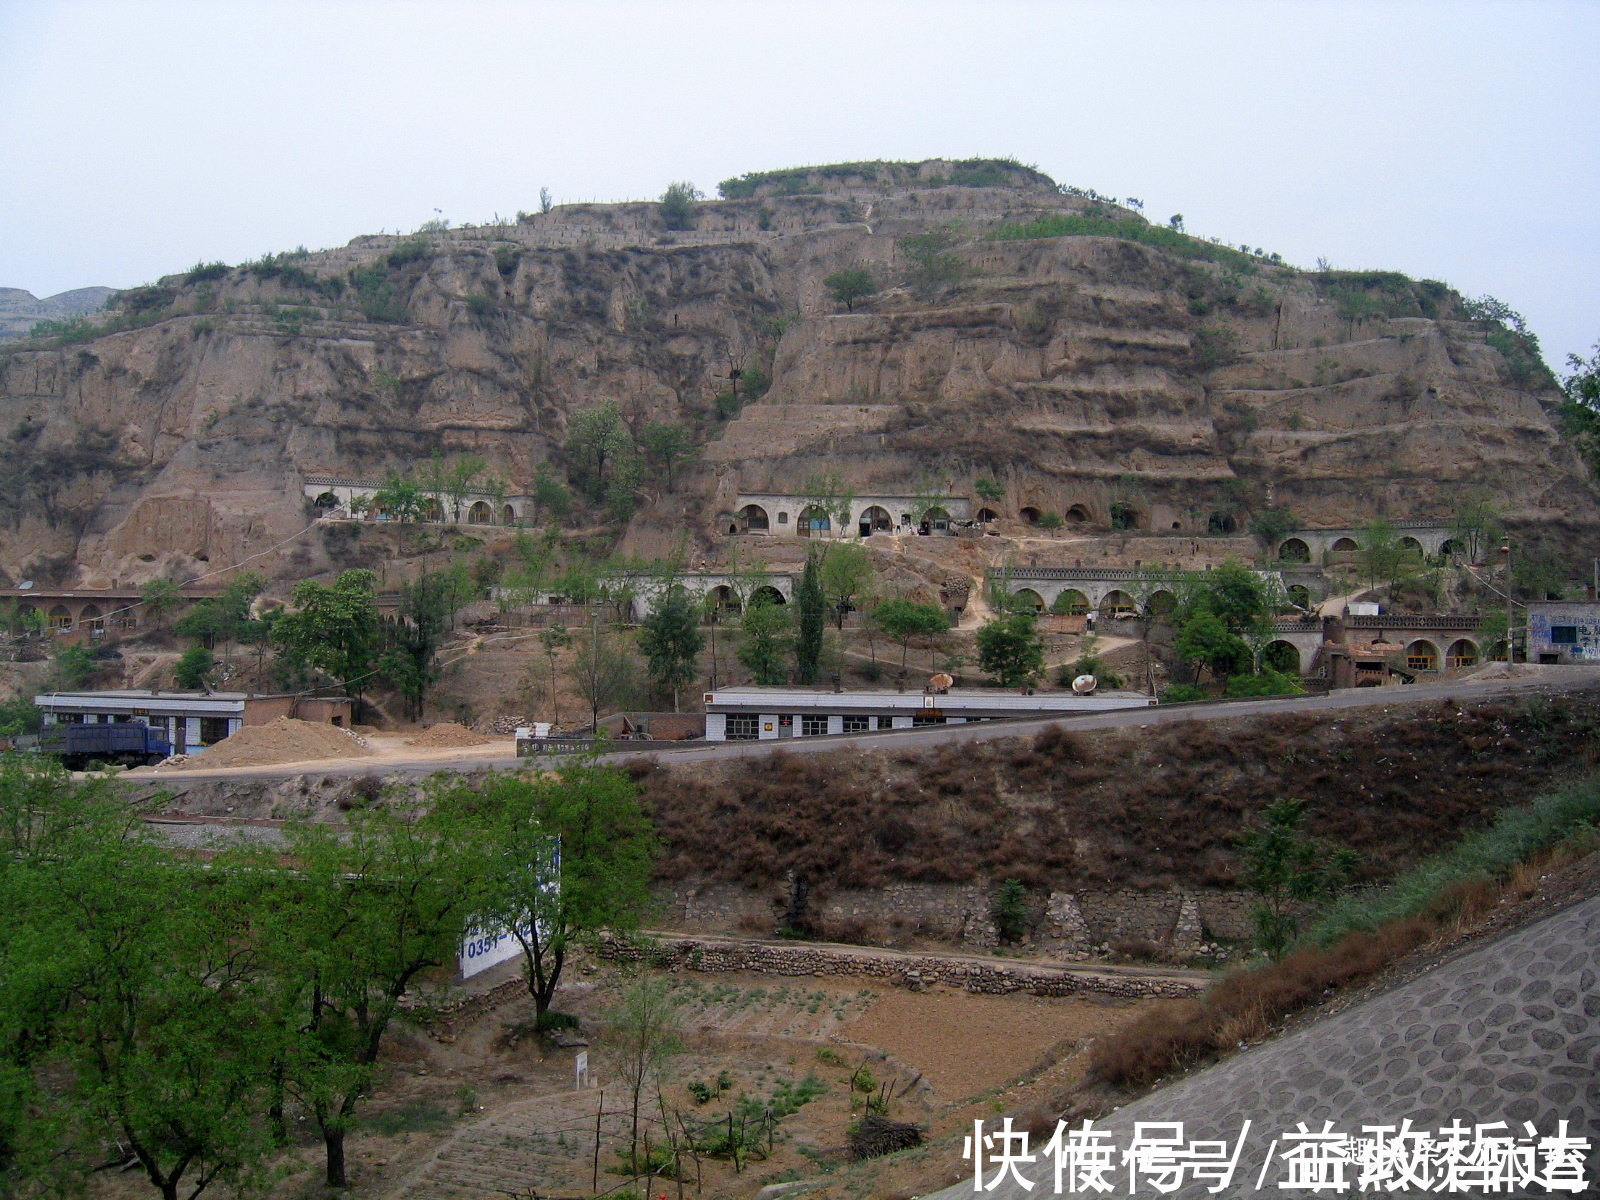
[(1130, 229), (1516, 835), (1356, 939), (420, 1116)]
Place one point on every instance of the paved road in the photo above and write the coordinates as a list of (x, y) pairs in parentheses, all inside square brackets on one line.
[(1568, 679), (1509, 1031)]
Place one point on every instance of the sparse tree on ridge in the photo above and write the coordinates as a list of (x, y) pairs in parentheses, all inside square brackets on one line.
[(850, 285)]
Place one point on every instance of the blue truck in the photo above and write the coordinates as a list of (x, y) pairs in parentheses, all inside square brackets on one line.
[(130, 743)]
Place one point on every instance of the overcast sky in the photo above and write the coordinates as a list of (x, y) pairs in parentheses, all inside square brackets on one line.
[(1450, 140)]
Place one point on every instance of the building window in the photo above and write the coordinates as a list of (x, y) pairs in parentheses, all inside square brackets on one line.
[(813, 726), (783, 518), (857, 724), (212, 730), (742, 727), (1419, 662), (1563, 635), (918, 722), (885, 722)]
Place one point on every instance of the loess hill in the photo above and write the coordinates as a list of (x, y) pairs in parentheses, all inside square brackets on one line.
[(1049, 339)]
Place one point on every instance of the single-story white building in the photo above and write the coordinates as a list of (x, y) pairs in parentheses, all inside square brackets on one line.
[(748, 714), (191, 720)]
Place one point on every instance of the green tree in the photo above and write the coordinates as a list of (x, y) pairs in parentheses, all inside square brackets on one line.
[(902, 620), (1204, 641), (73, 667), (1011, 650), (667, 445), (1272, 525), (399, 497), (850, 285), (459, 476), (828, 491), (601, 870), (811, 606), (678, 204), (1476, 525), (334, 628), (597, 439), (644, 1030), (1580, 412), (603, 671), (990, 490), (670, 640), (552, 641), (846, 579), (205, 622), (1382, 559), (929, 263), (765, 635), (125, 970), (412, 637), (549, 497), (194, 667), (1286, 868), (368, 908), (160, 597)]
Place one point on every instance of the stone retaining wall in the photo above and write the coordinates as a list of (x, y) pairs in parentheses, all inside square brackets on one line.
[(1072, 924), (907, 970)]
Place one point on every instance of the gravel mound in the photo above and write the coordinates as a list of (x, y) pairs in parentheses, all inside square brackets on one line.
[(447, 733), (281, 741)]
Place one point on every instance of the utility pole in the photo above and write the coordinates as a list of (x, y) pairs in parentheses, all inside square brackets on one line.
[(1511, 645)]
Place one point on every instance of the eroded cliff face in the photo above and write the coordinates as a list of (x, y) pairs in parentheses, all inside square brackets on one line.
[(1075, 370)]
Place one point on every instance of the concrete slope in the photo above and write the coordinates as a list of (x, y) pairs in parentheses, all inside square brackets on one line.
[(1509, 1032)]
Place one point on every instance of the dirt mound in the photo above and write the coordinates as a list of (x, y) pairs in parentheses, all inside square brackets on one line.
[(281, 741), (447, 733)]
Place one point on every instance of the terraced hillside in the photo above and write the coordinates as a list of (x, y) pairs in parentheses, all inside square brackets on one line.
[(1088, 361)]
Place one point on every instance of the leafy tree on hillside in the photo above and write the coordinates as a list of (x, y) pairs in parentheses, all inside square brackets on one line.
[(412, 639), (667, 445), (670, 640), (602, 870), (193, 668), (677, 205), (765, 635), (1580, 413), (1382, 558), (989, 489), (604, 671), (160, 597), (597, 442), (399, 497), (930, 265), (1285, 867), (369, 908), (902, 620), (811, 606), (850, 285), (1476, 525), (1011, 650), (846, 579), (334, 628), (72, 667)]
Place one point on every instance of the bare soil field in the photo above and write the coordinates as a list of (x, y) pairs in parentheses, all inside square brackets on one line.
[(495, 1112)]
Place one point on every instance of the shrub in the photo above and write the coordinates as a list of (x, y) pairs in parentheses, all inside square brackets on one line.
[(1183, 693), (1267, 683), (1051, 520), (1010, 912), (409, 251)]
